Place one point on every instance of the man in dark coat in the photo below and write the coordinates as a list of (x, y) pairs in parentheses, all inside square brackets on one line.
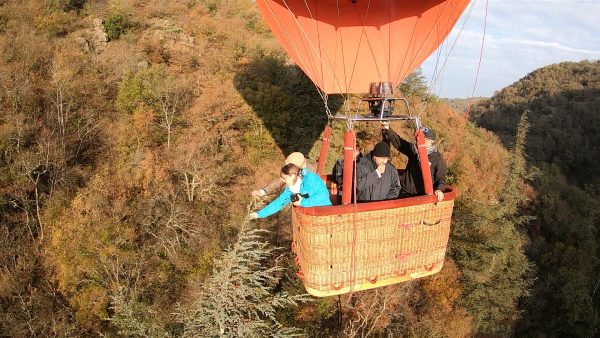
[(376, 178), (412, 179)]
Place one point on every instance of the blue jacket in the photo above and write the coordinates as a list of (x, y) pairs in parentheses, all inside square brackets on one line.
[(312, 185)]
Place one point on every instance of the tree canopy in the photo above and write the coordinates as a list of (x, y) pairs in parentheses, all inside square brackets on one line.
[(131, 135)]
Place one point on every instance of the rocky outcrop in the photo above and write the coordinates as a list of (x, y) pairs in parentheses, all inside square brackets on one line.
[(92, 39)]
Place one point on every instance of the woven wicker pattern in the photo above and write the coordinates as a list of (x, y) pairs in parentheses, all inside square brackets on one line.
[(388, 246)]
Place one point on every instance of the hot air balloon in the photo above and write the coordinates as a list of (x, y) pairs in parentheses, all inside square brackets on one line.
[(354, 46)]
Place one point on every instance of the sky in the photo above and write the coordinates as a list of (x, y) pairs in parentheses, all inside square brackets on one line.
[(521, 36)]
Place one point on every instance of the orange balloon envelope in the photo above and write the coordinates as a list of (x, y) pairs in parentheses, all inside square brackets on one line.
[(343, 45)]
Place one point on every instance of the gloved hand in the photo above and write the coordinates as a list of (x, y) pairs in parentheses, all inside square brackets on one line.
[(385, 124), (252, 216), (440, 195)]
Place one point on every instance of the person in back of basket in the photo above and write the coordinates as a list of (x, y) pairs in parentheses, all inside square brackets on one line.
[(296, 158), (338, 170), (302, 188), (412, 179), (376, 177)]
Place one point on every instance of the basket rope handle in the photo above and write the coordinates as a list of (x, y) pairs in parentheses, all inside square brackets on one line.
[(337, 286), (431, 224), (429, 267)]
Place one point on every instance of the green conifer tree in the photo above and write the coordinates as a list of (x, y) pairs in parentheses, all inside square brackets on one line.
[(489, 248), (132, 318), (238, 299)]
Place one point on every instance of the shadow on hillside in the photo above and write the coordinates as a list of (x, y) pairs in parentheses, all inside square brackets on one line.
[(562, 129), (285, 100)]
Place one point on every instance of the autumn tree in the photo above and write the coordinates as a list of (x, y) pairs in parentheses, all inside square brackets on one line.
[(489, 250), (155, 88), (564, 246), (381, 310), (415, 85), (563, 100)]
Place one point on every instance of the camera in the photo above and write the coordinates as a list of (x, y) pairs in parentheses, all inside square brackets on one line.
[(296, 197)]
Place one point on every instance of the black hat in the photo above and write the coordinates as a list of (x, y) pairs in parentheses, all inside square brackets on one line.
[(381, 149), (430, 134)]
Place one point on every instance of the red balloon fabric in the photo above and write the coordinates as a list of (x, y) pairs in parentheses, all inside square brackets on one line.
[(343, 45)]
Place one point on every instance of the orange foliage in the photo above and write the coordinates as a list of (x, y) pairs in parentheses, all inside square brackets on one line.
[(476, 160), (440, 314)]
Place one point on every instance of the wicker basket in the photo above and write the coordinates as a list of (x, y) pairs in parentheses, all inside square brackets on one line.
[(347, 248)]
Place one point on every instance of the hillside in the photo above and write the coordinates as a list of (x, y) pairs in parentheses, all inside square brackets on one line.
[(562, 101), (460, 105), (131, 135), (565, 120)]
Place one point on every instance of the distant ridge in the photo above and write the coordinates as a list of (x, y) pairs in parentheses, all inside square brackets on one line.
[(564, 100), (461, 104)]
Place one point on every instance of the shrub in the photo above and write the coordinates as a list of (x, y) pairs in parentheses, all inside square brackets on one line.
[(55, 23), (74, 5), (116, 25)]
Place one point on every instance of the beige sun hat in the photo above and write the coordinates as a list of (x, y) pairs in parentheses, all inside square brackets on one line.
[(296, 158)]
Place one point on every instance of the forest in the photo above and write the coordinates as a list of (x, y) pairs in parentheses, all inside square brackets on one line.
[(562, 105), (132, 133)]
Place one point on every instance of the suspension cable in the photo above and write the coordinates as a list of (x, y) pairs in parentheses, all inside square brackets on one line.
[(389, 53), (429, 34), (347, 96), (442, 69), (363, 33), (468, 110), (299, 26), (319, 40), (437, 61), (412, 36), (289, 40)]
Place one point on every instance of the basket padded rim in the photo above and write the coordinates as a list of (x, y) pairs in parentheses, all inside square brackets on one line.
[(367, 285), (449, 194)]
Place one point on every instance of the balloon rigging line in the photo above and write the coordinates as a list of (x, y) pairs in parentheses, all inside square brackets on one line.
[(412, 35), (439, 74), (404, 76), (303, 41), (480, 57), (389, 52), (323, 95), (437, 63), (298, 54), (292, 45), (347, 97), (363, 33), (438, 58), (318, 38), (427, 38), (289, 39), (298, 25)]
